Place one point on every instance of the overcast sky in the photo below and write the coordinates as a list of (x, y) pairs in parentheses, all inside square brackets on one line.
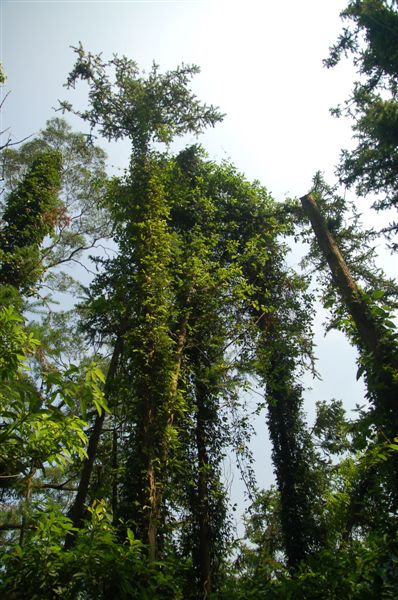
[(261, 63)]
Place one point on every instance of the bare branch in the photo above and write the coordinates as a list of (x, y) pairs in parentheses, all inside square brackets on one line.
[(72, 254), (10, 143), (49, 486), (5, 98)]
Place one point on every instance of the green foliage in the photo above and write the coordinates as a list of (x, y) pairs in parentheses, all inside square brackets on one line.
[(39, 427), (155, 108), (144, 109), (358, 570), (98, 567), (196, 302), (3, 76), (15, 342), (79, 220), (331, 429), (355, 569), (30, 214), (371, 39), (178, 289)]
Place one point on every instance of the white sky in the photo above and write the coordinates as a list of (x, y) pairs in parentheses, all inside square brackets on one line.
[(261, 64)]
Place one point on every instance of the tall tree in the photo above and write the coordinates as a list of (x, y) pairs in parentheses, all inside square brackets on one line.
[(284, 350), (374, 336), (362, 309), (155, 108)]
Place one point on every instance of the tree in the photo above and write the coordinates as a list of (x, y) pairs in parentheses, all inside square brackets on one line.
[(195, 302), (371, 38), (284, 346), (38, 233), (374, 335), (80, 221), (30, 214), (155, 108), (365, 315), (39, 427)]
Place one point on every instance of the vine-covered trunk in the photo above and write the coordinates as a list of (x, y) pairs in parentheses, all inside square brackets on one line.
[(175, 378), (291, 466), (203, 516), (292, 449), (152, 518), (152, 449)]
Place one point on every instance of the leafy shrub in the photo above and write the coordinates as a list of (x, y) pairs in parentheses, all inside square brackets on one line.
[(98, 566)]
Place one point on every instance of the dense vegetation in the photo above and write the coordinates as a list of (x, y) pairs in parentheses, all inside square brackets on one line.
[(116, 416)]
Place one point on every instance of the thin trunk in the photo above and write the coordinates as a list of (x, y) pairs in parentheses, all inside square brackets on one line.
[(26, 506), (115, 465), (204, 549), (77, 510)]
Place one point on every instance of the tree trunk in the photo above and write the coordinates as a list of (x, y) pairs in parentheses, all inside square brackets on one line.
[(372, 338), (204, 549), (179, 351), (77, 510), (292, 455), (115, 465), (292, 448), (26, 506), (345, 283), (154, 475), (153, 500)]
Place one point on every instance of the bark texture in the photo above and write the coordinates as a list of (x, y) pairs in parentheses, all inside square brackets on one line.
[(381, 351)]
